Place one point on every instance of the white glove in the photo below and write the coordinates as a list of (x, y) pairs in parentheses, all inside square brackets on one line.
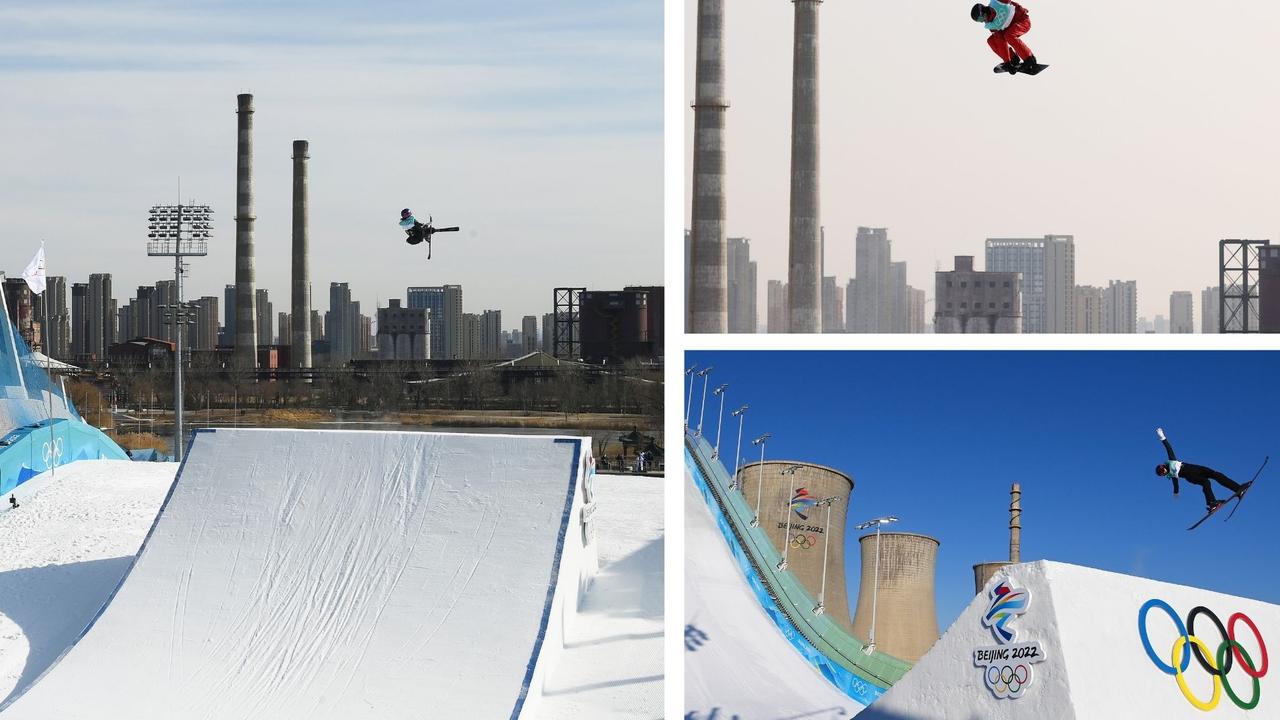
[(1160, 433)]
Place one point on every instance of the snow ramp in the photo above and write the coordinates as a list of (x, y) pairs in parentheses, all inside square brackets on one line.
[(754, 649), (1051, 641), (334, 574)]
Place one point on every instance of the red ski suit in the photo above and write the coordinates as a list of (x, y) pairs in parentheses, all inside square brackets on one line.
[(1001, 40)]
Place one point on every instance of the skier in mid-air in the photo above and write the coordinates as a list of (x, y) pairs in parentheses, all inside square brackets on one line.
[(1200, 475), (1008, 22), (418, 232)]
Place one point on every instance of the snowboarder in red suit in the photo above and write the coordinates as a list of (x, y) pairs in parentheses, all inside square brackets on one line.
[(1008, 22)]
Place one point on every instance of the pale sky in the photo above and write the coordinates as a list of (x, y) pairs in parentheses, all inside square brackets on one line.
[(1151, 136), (536, 127)]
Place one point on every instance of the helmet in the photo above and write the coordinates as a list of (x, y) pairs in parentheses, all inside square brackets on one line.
[(1162, 469), (406, 213), (978, 12)]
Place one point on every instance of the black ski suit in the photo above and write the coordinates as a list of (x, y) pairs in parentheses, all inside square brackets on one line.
[(1196, 475)]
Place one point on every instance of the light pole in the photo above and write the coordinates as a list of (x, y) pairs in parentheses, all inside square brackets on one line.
[(821, 607), (786, 514), (178, 231), (870, 647), (688, 372), (741, 414), (705, 374), (720, 421), (755, 521)]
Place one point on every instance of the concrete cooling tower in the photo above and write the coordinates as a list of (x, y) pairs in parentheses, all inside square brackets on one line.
[(906, 621), (797, 495)]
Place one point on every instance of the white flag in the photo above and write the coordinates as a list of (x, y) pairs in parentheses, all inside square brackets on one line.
[(34, 274)]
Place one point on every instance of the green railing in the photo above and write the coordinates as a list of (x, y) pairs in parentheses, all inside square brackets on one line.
[(791, 597)]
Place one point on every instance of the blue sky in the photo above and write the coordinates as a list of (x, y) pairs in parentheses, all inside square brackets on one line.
[(936, 438), (536, 127)]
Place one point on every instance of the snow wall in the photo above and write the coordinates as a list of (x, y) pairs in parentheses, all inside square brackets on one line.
[(338, 574), (753, 646), (1051, 641)]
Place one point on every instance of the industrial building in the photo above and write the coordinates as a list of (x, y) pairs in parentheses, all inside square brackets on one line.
[(972, 301)]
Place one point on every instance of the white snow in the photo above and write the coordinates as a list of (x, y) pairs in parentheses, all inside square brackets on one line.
[(68, 545), (612, 663), (739, 664)]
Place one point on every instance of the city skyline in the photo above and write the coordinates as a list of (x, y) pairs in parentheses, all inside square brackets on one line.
[(536, 129), (936, 148)]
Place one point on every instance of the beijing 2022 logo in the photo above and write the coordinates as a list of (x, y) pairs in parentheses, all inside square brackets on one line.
[(1007, 667)]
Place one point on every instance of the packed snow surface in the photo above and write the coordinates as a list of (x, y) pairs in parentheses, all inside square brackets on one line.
[(317, 574)]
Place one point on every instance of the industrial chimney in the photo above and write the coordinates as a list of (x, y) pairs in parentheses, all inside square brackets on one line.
[(246, 339), (792, 493), (708, 299), (804, 272), (982, 572), (300, 323), (906, 617)]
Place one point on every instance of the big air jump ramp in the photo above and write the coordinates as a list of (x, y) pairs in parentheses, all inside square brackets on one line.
[(330, 574), (1050, 641)]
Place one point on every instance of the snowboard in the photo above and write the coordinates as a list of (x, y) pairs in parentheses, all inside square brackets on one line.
[(1023, 69), (1237, 496)]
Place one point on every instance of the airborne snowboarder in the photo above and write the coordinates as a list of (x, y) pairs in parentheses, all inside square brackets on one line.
[(1008, 22), (1200, 475)]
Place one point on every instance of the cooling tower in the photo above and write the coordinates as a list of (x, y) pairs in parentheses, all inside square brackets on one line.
[(811, 534), (906, 620)]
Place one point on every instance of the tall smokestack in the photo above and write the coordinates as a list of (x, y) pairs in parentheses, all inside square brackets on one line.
[(708, 299), (811, 537), (301, 320), (804, 273), (905, 613), (1015, 524), (246, 344)]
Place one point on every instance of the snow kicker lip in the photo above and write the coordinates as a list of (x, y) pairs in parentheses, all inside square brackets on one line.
[(339, 574)]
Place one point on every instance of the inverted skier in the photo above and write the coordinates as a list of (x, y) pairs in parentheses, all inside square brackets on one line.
[(1008, 22), (1200, 475)]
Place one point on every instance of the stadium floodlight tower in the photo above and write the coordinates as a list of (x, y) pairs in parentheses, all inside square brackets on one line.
[(179, 231), (741, 414), (719, 392), (870, 647)]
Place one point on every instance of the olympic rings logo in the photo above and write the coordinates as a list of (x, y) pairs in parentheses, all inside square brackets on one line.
[(52, 452), (1229, 652), (802, 542), (1008, 680)]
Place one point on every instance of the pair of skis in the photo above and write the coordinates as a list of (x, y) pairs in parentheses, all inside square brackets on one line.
[(1237, 496)]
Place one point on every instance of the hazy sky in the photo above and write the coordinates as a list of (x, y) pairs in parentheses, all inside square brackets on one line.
[(1083, 447), (1146, 139), (534, 126)]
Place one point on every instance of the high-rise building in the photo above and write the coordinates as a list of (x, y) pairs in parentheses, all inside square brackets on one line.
[(832, 306), (266, 315), (1087, 307), (1048, 268), (55, 321), (1210, 309), (342, 324), (548, 332), (491, 347), (872, 307), (1269, 288), (1161, 325), (445, 318), (1120, 307), (79, 320), (850, 302), (284, 328), (317, 328), (742, 287), (777, 306), (528, 334), (897, 297), (20, 301), (101, 307), (915, 310), (205, 331), (468, 346), (971, 301), (1181, 314), (227, 332)]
